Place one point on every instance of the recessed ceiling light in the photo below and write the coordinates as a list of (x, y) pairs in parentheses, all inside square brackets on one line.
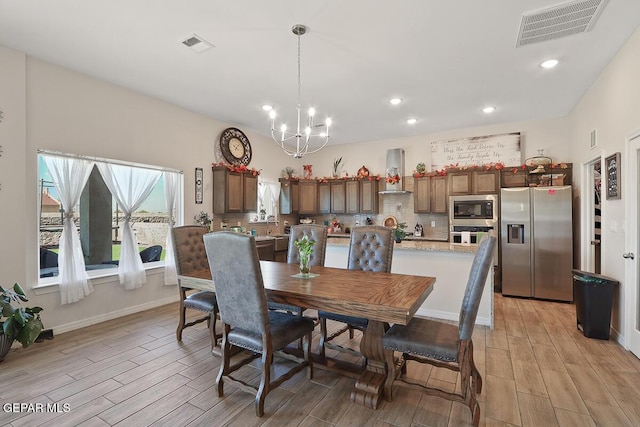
[(549, 63), (267, 107), (412, 121), (395, 101), (488, 109)]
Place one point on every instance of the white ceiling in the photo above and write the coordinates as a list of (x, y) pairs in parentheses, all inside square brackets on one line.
[(446, 59)]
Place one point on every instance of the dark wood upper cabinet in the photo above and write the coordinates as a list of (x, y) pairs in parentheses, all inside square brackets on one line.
[(338, 196), (308, 193), (422, 194), (234, 192), (473, 182), (324, 197), (369, 196), (352, 197)]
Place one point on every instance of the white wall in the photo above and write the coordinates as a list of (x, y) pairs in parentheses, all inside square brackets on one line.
[(612, 107)]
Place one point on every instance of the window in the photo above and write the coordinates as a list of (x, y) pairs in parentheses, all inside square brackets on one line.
[(268, 196), (99, 220)]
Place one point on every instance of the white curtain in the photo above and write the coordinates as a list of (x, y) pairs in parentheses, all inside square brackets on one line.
[(274, 189), (171, 181), (262, 191), (69, 177), (130, 187)]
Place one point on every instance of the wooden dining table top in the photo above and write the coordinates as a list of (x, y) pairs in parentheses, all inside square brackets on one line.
[(384, 297)]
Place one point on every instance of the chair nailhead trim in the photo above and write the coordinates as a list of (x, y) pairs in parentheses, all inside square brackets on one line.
[(432, 356)]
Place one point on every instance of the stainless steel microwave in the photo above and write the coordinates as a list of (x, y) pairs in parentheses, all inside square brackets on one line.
[(473, 210)]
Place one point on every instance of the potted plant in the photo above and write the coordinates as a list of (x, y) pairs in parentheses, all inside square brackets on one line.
[(18, 323), (305, 247), (400, 233), (203, 219)]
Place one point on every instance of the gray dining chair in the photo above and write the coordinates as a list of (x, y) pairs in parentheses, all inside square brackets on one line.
[(190, 255), (246, 319), (370, 249), (441, 344), (317, 234)]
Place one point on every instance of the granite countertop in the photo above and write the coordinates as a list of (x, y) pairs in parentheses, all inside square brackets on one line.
[(412, 244)]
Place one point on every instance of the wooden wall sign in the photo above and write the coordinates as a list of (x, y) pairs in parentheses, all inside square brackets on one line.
[(477, 150), (612, 167)]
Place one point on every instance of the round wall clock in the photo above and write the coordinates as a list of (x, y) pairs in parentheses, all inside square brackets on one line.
[(235, 146)]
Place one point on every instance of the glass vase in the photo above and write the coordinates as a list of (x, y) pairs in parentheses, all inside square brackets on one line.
[(305, 264)]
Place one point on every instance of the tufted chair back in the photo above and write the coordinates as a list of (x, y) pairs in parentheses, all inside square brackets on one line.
[(371, 248), (235, 270), (316, 233), (189, 248), (482, 263)]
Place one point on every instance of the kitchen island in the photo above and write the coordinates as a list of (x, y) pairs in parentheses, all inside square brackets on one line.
[(450, 264)]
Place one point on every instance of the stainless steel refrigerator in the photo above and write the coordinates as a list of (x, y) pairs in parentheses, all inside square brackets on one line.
[(537, 242)]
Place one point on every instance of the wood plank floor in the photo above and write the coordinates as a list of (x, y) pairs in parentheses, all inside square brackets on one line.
[(538, 370)]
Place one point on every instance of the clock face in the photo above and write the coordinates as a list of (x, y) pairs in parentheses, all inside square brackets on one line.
[(235, 146)]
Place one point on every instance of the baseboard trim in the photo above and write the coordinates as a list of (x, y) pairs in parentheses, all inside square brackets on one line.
[(68, 327), (446, 315)]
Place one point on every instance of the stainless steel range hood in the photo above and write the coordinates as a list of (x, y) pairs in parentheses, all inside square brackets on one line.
[(395, 167)]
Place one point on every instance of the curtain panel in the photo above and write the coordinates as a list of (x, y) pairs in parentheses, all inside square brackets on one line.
[(171, 182), (69, 177), (130, 187)]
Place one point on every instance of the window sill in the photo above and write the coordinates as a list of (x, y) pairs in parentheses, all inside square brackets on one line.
[(50, 284)]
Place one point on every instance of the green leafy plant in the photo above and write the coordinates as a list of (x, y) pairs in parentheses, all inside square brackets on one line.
[(399, 231), (21, 323), (305, 247), (203, 219)]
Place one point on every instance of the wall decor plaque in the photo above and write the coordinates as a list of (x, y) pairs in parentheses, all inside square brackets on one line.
[(612, 166), (477, 151)]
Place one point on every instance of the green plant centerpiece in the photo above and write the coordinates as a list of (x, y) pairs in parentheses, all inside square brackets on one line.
[(305, 248), (18, 323), (400, 233)]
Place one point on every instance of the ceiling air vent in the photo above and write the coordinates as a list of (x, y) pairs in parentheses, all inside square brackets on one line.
[(559, 21), (197, 43)]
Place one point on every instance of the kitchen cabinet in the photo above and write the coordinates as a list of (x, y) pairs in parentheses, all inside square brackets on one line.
[(289, 196), (368, 198), (430, 194), (234, 192), (485, 182), (439, 195), (473, 182), (352, 189), (324, 198), (338, 196), (308, 197)]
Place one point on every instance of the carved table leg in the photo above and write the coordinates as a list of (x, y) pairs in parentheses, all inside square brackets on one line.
[(369, 387)]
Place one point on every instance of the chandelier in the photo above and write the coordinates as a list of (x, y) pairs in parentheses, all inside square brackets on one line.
[(299, 142)]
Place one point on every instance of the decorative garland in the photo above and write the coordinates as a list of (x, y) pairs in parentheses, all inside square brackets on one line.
[(238, 168), (392, 179)]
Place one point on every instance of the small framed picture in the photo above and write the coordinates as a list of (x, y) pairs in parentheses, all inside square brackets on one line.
[(612, 167), (198, 183)]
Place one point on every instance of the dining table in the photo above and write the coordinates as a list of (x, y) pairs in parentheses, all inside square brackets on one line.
[(382, 298)]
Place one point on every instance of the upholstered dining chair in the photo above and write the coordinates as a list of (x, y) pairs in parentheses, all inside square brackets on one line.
[(370, 249), (316, 233), (246, 319), (190, 255), (442, 344)]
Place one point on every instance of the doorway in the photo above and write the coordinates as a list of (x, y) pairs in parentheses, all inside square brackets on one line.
[(632, 241), (591, 204)]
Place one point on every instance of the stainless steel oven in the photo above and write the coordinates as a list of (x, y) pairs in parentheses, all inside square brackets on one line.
[(471, 217)]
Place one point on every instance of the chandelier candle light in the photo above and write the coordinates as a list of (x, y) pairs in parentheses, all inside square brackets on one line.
[(303, 137)]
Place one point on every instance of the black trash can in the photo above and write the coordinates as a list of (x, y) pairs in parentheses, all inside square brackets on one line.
[(593, 296)]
